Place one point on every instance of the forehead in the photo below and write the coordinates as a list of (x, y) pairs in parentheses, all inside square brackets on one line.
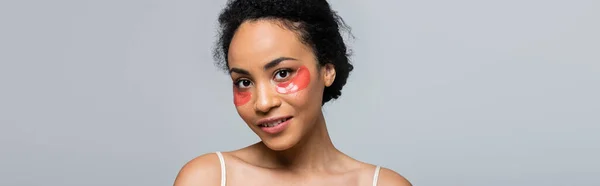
[(257, 42)]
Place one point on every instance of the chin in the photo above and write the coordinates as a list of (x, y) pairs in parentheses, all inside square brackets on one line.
[(279, 143)]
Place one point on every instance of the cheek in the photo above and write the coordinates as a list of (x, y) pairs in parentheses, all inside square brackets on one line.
[(298, 83), (241, 97)]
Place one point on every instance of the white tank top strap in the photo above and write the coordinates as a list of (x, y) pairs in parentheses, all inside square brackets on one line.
[(376, 175), (223, 171)]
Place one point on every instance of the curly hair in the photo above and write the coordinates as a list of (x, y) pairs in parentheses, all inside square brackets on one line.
[(316, 24)]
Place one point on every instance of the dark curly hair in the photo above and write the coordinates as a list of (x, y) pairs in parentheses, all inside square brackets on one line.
[(317, 25)]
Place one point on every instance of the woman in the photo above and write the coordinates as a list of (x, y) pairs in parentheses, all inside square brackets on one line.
[(286, 59)]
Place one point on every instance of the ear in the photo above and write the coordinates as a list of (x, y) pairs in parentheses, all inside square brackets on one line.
[(328, 73)]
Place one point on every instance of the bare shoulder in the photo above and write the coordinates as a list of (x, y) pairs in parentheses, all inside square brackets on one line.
[(388, 177), (200, 171)]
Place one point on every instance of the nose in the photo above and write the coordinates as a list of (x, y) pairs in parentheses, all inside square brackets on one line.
[(266, 98)]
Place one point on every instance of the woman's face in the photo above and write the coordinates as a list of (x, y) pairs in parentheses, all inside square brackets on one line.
[(277, 83)]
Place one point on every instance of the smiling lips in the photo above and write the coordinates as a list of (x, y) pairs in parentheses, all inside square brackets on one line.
[(274, 125), (299, 82)]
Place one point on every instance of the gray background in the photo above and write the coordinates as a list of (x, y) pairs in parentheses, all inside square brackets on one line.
[(444, 92)]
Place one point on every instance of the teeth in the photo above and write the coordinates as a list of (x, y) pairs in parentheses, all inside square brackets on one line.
[(272, 124)]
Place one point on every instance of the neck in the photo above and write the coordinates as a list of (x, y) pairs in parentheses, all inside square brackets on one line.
[(313, 152)]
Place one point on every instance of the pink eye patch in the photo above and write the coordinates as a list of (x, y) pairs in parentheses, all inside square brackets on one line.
[(297, 83), (240, 98)]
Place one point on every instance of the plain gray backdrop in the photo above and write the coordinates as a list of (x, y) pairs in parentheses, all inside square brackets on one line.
[(464, 92)]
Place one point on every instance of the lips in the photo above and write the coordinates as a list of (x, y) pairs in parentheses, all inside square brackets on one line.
[(275, 125), (272, 122)]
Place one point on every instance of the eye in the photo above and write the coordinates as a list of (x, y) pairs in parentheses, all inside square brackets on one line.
[(243, 83), (282, 74)]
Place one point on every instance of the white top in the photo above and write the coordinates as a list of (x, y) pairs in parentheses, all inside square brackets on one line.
[(224, 176)]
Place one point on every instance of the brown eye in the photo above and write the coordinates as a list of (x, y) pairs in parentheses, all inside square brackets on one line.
[(282, 74), (244, 83)]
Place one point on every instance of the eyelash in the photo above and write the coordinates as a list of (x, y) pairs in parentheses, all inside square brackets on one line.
[(289, 71), (238, 81)]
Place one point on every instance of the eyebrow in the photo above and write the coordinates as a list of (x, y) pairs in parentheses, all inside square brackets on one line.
[(239, 71), (276, 62), (267, 66)]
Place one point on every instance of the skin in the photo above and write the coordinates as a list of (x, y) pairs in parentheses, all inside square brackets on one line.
[(303, 153)]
